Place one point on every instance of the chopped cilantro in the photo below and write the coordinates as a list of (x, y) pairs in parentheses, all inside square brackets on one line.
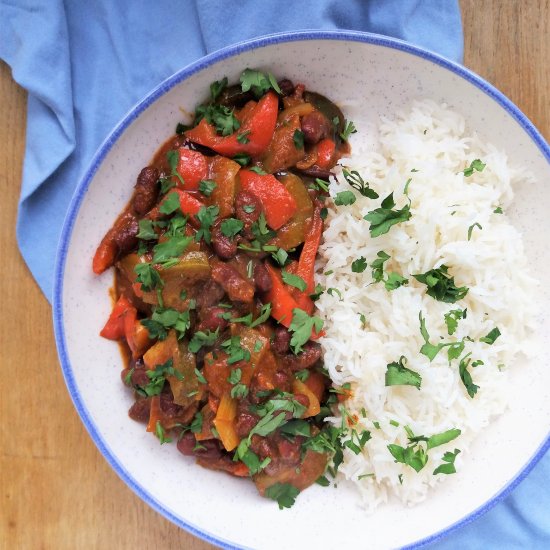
[(301, 327), (284, 493), (491, 337), (294, 280), (206, 187), (441, 286), (231, 226), (449, 463), (476, 165), (383, 218), (359, 265), (356, 181), (298, 139), (344, 198), (207, 216), (349, 128), (399, 375)]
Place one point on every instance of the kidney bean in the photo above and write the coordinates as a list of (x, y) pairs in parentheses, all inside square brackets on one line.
[(286, 86), (211, 293), (245, 422), (307, 358), (139, 411), (231, 281), (146, 190), (315, 127), (186, 443), (262, 279), (225, 247), (211, 449), (281, 340), (125, 236), (283, 380), (248, 200), (210, 319)]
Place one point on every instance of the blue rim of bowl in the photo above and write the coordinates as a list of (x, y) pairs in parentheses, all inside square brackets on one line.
[(106, 146)]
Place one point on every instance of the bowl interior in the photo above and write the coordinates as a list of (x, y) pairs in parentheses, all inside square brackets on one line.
[(368, 77)]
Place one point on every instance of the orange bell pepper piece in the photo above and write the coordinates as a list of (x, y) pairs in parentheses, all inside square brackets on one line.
[(306, 263)]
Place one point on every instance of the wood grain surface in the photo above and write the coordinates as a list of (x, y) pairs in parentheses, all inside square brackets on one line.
[(57, 490)]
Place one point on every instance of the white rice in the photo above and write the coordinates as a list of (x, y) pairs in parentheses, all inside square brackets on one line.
[(431, 139)]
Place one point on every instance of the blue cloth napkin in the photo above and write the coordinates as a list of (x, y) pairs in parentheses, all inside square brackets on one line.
[(85, 64)]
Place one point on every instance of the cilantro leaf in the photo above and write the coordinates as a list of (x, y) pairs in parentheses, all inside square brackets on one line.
[(413, 456), (451, 319), (174, 247), (298, 139), (301, 327), (383, 218), (491, 337), (442, 438), (449, 466), (284, 493), (231, 226), (466, 377), (356, 181), (349, 128), (148, 276), (207, 216), (217, 87), (394, 281), (258, 82), (344, 198), (294, 280), (160, 433), (471, 228), (359, 265), (146, 230), (170, 204), (206, 187), (476, 165), (441, 286), (221, 117), (202, 339), (378, 266), (399, 375)]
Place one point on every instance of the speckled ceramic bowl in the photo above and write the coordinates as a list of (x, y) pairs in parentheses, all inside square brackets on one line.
[(368, 76)]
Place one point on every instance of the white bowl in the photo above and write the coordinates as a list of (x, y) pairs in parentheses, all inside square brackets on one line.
[(369, 76)]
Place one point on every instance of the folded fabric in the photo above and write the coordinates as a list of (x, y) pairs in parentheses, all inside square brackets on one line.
[(85, 64)]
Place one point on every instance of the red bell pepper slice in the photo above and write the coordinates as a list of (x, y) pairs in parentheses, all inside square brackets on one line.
[(306, 263), (325, 151), (192, 167), (189, 205), (278, 204), (258, 125), (114, 327), (283, 302), (137, 336)]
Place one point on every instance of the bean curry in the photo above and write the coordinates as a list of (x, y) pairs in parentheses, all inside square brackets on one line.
[(215, 295)]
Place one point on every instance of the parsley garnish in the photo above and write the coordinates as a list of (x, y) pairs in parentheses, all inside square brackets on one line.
[(235, 351), (383, 218), (206, 187), (202, 339), (284, 493), (451, 319), (471, 228), (298, 138), (174, 247), (466, 377), (441, 286), (231, 226), (243, 137), (399, 375), (359, 265), (148, 276), (476, 165), (349, 128), (207, 216), (448, 468), (221, 117), (258, 82), (344, 198), (146, 230), (491, 337), (357, 182), (301, 327), (242, 158), (217, 87), (294, 280), (165, 319), (160, 433)]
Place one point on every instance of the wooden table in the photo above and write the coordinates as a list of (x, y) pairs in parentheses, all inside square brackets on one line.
[(57, 490)]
